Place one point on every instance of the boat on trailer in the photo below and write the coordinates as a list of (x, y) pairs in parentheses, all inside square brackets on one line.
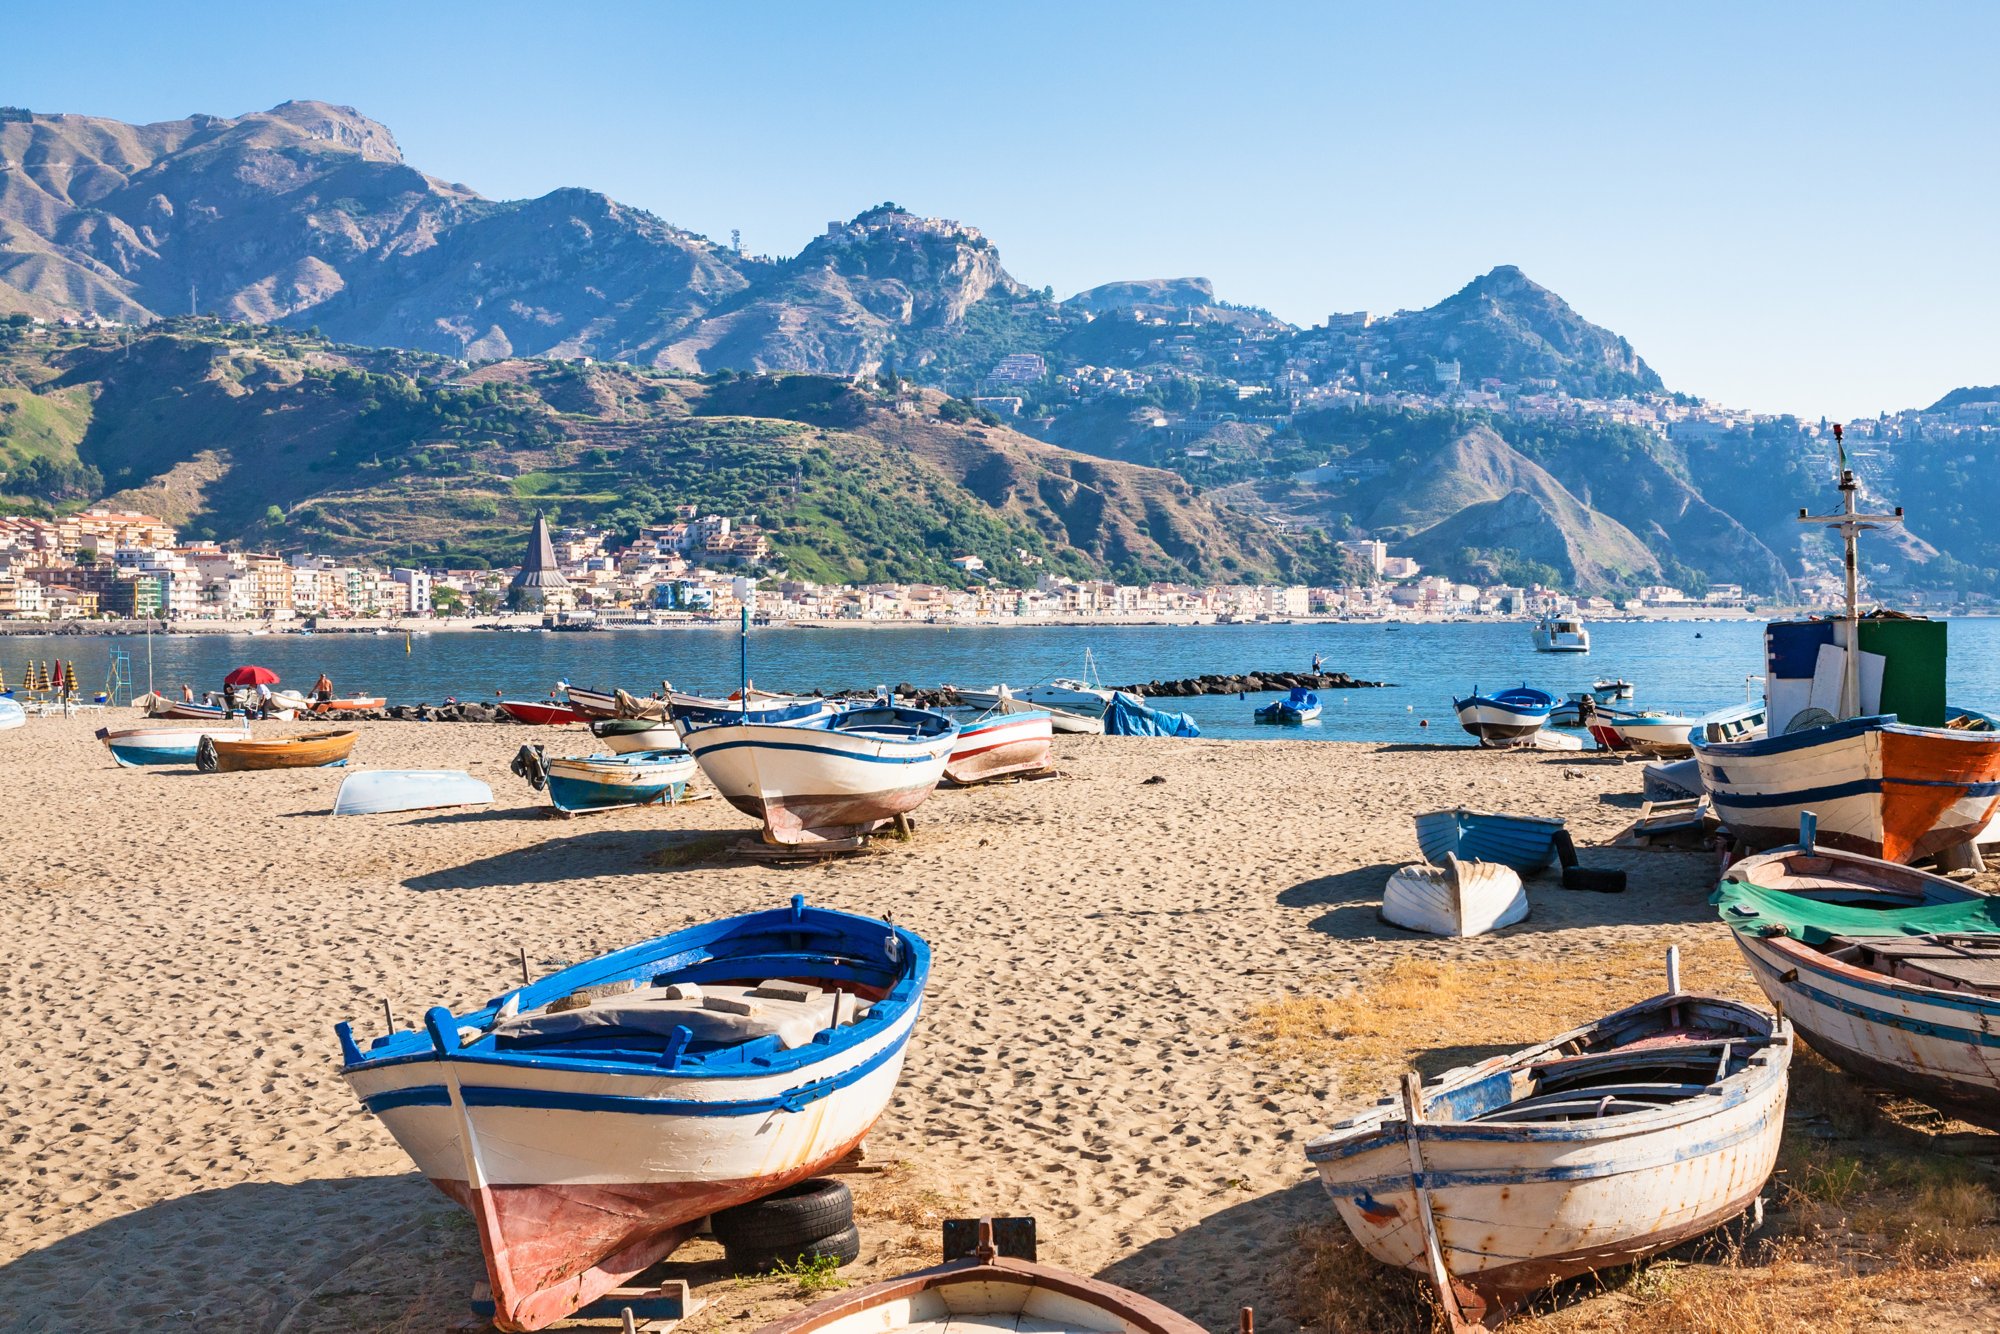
[(996, 745), (579, 783), (1527, 843), (1889, 972), (141, 747), (1599, 1147), (984, 1290), (1455, 899), (1506, 717), (1859, 732), (589, 1121), (832, 775)]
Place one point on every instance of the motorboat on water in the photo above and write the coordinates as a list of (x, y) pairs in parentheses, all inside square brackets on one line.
[(1560, 634)]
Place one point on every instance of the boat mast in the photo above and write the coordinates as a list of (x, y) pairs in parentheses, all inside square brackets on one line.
[(1851, 524)]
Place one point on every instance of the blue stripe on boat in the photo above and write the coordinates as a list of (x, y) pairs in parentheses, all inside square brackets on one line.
[(928, 753)]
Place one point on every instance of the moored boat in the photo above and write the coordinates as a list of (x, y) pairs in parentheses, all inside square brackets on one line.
[(835, 774), (995, 745), (1599, 1147), (1086, 694), (139, 747), (388, 791), (314, 750), (1505, 717), (1455, 899), (1525, 842), (590, 1120), (1859, 732), (539, 713), (1001, 700), (1300, 706), (1560, 634), (986, 1291), (1889, 972), (578, 783)]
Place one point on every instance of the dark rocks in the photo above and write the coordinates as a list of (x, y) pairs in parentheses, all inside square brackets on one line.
[(1247, 683)]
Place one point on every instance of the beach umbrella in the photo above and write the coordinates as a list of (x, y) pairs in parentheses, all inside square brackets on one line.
[(251, 676)]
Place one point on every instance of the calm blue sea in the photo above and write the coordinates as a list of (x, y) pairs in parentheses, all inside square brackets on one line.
[(1676, 666)]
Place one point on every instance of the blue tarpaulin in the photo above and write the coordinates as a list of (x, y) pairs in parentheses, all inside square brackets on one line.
[(1128, 715)]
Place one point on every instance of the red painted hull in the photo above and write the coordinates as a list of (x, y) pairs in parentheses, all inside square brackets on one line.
[(552, 1249), (811, 819), (978, 764), (1923, 777), (545, 715)]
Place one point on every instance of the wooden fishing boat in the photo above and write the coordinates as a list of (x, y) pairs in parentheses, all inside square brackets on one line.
[(1456, 898), (1660, 735), (1527, 843), (312, 750), (387, 791), (1594, 1149), (1298, 707), (995, 745), (1890, 973), (1060, 720), (1859, 732), (590, 1120), (588, 704), (578, 783), (349, 703), (835, 774), (155, 705), (12, 715), (1560, 634), (1505, 717), (539, 713), (625, 736), (692, 712), (984, 1291), (140, 747)]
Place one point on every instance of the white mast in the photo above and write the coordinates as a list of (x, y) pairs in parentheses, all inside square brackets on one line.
[(1851, 524)]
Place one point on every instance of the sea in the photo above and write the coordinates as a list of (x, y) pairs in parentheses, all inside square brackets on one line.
[(1676, 666)]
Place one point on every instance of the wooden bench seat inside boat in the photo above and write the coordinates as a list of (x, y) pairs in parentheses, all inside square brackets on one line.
[(715, 1016), (1951, 963)]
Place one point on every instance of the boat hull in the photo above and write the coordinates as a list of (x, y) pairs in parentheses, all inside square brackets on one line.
[(1527, 843), (1878, 787), (808, 784), (583, 784), (1496, 723), (387, 791), (539, 714), (591, 703), (248, 754), (143, 747), (631, 740), (1941, 1047), (1000, 745), (1477, 898)]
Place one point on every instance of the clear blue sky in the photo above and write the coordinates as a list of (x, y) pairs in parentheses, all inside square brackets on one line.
[(1788, 208)]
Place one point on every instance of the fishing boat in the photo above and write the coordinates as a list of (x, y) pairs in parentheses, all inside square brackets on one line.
[(1615, 688), (835, 774), (540, 713), (387, 791), (1300, 706), (692, 712), (1560, 634), (1505, 717), (353, 703), (995, 745), (1456, 898), (1660, 735), (1891, 973), (1738, 722), (984, 1291), (1000, 699), (590, 1120), (140, 747), (1525, 842), (624, 736), (12, 715), (155, 705), (1603, 1145), (590, 703), (578, 783), (1859, 731), (313, 750)]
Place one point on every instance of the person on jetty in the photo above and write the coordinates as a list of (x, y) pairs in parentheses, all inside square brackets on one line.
[(323, 689), (1318, 660)]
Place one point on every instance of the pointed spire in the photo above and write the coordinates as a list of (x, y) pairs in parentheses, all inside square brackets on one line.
[(538, 566)]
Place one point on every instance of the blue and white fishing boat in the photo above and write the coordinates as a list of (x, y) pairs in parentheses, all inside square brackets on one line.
[(1594, 1149), (590, 1120), (623, 736), (692, 712), (12, 715), (174, 743), (578, 783), (1889, 972), (386, 791), (1505, 717), (832, 774), (1525, 842), (1300, 706)]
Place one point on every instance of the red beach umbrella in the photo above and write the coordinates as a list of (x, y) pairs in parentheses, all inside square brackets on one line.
[(251, 676)]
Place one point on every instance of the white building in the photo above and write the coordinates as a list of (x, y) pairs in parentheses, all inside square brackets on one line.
[(417, 590)]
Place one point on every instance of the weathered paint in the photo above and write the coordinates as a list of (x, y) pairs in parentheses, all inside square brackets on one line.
[(998, 745)]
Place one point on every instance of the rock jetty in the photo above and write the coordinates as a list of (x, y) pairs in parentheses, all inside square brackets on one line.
[(1249, 683)]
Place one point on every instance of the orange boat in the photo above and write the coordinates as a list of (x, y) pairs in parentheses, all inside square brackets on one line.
[(354, 703), (314, 750)]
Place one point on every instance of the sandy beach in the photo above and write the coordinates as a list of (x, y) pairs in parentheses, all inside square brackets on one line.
[(1147, 997)]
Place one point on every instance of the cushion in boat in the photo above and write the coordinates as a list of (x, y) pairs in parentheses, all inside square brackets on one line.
[(714, 1014)]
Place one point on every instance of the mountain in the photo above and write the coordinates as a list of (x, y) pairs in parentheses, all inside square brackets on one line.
[(1986, 396), (284, 439), (1176, 300)]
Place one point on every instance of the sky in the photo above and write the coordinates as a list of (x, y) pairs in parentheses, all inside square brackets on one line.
[(1788, 208)]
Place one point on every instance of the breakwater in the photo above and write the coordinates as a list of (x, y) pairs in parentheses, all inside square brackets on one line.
[(1249, 683)]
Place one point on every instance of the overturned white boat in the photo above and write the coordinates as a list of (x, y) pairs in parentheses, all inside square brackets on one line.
[(1456, 899)]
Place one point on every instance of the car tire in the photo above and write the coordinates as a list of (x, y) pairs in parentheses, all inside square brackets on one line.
[(800, 1213), (842, 1247)]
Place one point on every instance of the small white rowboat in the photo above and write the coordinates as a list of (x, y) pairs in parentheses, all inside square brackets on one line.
[(1456, 899)]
